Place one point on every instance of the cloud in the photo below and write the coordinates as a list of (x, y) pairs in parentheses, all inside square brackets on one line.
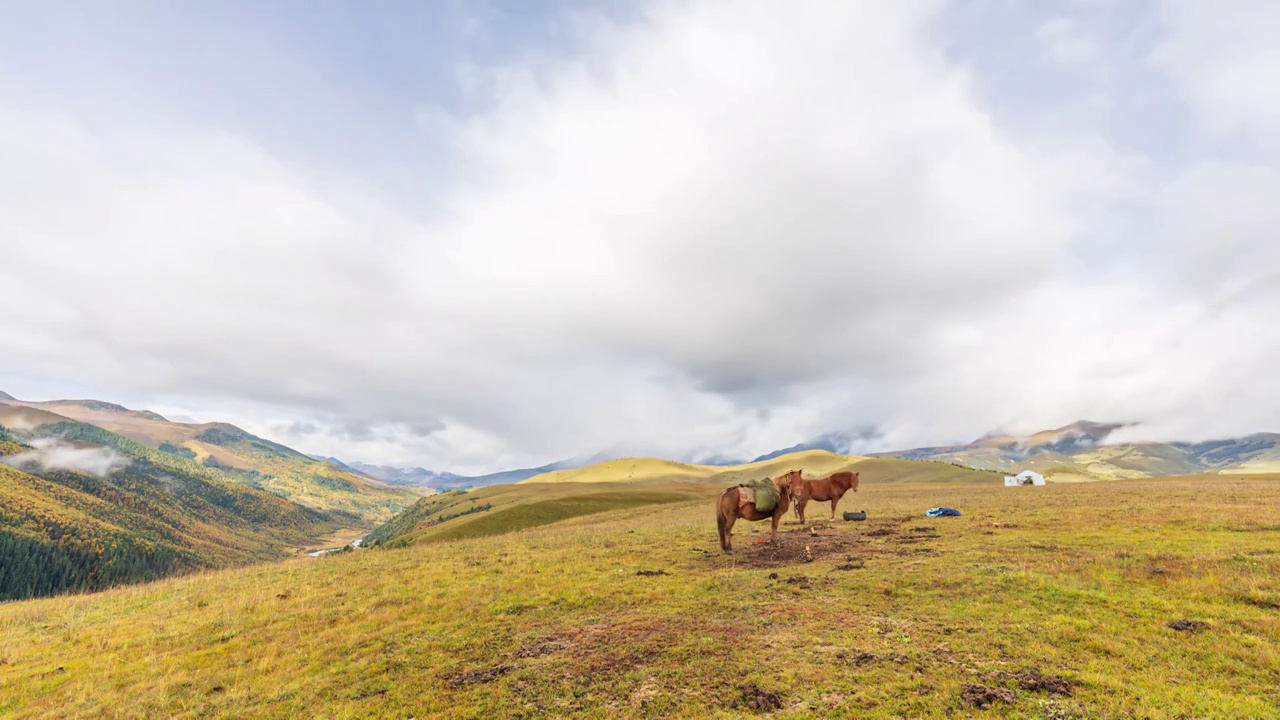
[(1223, 63), (55, 454), (1065, 42), (706, 229)]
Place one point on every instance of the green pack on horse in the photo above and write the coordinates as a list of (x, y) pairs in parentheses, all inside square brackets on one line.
[(757, 500)]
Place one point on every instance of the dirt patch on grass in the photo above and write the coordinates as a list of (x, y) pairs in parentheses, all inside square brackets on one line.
[(863, 659), (619, 647), (1035, 681), (983, 697), (790, 548), (822, 541), (1189, 626), (827, 541), (478, 677), (542, 647), (651, 573), (756, 698)]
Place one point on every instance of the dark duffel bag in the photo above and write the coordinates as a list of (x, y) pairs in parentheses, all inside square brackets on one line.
[(855, 515)]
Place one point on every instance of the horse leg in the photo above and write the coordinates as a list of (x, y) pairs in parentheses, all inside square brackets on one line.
[(727, 532), (834, 500), (776, 517), (720, 521), (800, 507)]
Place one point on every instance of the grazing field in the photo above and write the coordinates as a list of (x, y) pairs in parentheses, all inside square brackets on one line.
[(596, 488), (1136, 598)]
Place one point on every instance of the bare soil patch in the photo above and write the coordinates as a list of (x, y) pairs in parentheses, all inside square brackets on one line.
[(756, 698), (478, 677), (1035, 681), (579, 654), (829, 540), (983, 697), (1191, 626)]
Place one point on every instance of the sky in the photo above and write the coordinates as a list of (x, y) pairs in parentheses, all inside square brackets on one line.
[(472, 236)]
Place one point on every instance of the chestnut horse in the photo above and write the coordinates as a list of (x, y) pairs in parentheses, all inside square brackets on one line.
[(729, 508), (833, 487)]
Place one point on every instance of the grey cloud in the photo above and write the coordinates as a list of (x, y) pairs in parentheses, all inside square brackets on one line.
[(722, 230)]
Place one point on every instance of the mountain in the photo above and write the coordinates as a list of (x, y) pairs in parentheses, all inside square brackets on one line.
[(1081, 449), (93, 494), (421, 477), (418, 477), (835, 442), (235, 453)]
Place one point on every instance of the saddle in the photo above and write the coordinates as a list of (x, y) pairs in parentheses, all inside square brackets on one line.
[(760, 493)]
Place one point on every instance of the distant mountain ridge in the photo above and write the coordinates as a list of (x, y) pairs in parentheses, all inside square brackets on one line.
[(1081, 448), (422, 477)]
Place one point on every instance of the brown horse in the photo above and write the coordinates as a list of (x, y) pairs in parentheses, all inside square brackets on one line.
[(729, 508), (833, 487)]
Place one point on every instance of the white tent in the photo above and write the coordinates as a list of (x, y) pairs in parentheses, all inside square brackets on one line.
[(1026, 477)]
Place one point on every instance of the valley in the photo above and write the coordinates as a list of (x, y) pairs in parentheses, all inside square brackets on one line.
[(212, 573), (94, 495)]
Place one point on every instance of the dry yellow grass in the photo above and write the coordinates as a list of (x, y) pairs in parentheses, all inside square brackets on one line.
[(1081, 582)]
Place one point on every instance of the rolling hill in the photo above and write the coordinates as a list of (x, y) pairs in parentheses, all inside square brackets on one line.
[(1081, 449), (83, 507), (629, 483)]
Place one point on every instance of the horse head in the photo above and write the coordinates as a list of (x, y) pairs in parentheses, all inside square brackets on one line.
[(789, 482), (853, 482)]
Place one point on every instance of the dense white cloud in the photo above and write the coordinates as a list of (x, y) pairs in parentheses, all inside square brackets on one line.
[(712, 228), (55, 454)]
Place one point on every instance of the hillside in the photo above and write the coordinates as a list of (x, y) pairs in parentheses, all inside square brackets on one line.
[(99, 516), (1150, 598), (631, 483), (85, 508), (1081, 449), (226, 450)]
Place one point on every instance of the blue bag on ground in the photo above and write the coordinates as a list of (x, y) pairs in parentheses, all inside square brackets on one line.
[(943, 512)]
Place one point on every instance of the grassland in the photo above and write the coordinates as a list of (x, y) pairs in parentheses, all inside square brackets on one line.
[(614, 485), (902, 615)]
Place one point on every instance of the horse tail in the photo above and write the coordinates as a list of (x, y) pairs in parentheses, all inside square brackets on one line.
[(722, 520)]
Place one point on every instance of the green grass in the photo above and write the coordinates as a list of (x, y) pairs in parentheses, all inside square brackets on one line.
[(545, 512), (554, 621), (415, 523)]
